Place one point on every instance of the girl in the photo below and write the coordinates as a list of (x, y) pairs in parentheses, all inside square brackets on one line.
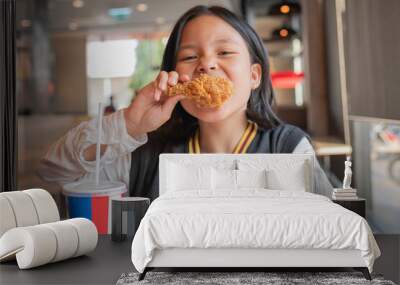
[(208, 40)]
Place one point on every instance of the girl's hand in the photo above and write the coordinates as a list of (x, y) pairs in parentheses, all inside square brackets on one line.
[(151, 107)]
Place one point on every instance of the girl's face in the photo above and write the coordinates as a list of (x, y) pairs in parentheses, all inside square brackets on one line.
[(210, 45)]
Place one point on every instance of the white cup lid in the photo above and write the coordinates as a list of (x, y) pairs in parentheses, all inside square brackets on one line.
[(89, 188)]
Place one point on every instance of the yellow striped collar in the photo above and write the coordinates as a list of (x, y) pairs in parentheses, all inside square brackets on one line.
[(241, 147)]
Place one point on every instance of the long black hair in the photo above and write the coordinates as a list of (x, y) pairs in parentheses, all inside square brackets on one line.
[(182, 124)]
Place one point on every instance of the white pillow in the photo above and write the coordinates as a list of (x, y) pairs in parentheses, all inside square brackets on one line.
[(251, 178), (224, 179), (293, 180), (282, 174), (229, 179), (188, 177)]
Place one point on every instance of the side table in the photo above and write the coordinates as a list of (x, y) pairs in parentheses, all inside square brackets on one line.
[(126, 225), (356, 205)]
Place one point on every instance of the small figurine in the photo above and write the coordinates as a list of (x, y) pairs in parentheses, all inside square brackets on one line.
[(347, 174)]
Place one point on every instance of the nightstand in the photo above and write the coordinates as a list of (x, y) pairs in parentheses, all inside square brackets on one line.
[(134, 209), (356, 205)]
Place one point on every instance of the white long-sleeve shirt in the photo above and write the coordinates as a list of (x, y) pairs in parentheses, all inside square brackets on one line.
[(64, 162)]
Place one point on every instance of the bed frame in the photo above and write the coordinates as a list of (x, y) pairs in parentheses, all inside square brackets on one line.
[(234, 259), (250, 259)]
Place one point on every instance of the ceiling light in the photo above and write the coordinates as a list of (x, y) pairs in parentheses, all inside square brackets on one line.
[(160, 20), (73, 26), (78, 3), (25, 23), (283, 33), (141, 7), (285, 9), (120, 13)]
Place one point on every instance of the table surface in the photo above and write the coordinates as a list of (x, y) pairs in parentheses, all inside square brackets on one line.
[(348, 200), (330, 146), (110, 259)]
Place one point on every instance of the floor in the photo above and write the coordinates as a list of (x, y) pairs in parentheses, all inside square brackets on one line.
[(110, 259)]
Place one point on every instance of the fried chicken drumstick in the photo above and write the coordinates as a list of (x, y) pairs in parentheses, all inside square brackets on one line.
[(206, 90)]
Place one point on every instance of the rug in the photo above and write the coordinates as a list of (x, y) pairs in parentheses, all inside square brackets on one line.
[(268, 278)]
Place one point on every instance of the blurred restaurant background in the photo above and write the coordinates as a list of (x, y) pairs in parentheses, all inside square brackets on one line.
[(335, 67)]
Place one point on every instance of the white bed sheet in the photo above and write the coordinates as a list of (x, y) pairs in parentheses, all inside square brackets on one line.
[(251, 218)]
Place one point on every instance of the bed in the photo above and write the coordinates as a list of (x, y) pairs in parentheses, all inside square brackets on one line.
[(247, 211)]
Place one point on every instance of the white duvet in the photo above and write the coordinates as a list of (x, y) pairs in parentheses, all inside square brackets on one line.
[(252, 218)]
